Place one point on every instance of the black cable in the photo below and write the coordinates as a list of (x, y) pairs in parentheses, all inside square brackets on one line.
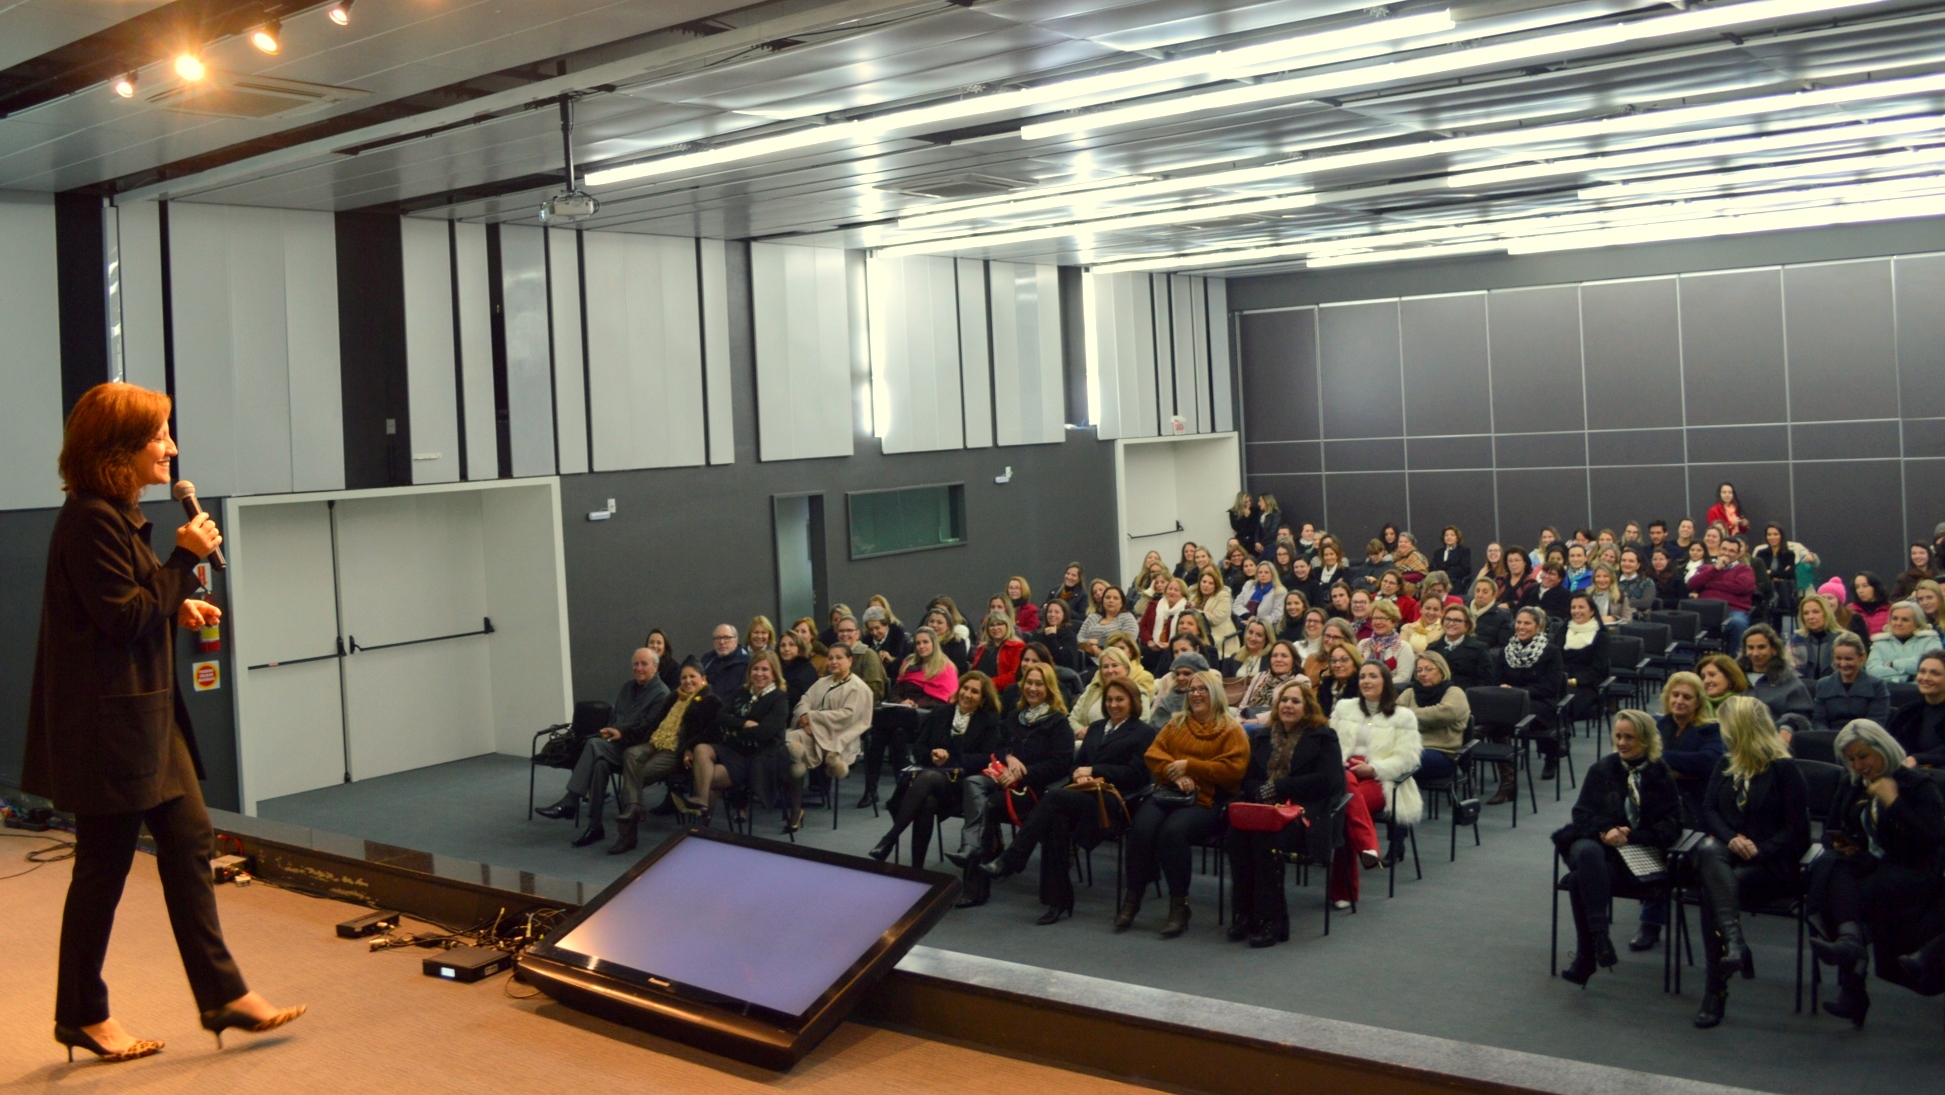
[(56, 851)]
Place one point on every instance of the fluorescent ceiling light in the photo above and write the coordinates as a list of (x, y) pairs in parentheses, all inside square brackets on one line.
[(1159, 218), (1883, 161), (1217, 65), (1695, 21), (1858, 213), (1802, 138), (1047, 198), (1362, 258)]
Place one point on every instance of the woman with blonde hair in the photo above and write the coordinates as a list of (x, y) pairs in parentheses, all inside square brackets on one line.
[(890, 616), (1211, 598), (1087, 708), (1035, 748), (1387, 646), (1817, 627), (927, 677), (1137, 672), (1019, 593), (760, 635), (1261, 598), (999, 650), (1242, 517), (1268, 517), (1756, 812), (811, 646)]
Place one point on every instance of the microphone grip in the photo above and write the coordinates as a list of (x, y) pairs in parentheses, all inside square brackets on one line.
[(191, 507)]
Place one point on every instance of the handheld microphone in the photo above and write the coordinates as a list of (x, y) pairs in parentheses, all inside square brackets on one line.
[(185, 493)]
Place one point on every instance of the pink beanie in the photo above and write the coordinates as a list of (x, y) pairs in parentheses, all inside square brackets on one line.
[(1834, 589)]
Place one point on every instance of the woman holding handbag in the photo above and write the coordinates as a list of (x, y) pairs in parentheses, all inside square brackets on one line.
[(1091, 806), (955, 738), (1294, 760), (1198, 761)]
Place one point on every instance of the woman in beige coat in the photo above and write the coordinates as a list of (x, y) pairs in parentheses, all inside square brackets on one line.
[(826, 726)]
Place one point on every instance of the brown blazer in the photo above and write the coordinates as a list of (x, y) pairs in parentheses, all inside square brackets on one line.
[(104, 703)]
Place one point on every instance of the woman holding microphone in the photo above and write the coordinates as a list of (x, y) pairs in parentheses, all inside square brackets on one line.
[(108, 737)]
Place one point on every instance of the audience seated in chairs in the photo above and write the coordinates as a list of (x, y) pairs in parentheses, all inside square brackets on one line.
[(748, 745), (636, 709), (1382, 749), (1036, 747), (955, 740), (1337, 681), (1532, 661), (1090, 805), (1111, 618), (1920, 727), (1058, 631), (1439, 704), (1870, 602), (1260, 691), (1197, 761), (1756, 817), (1519, 589), (657, 758), (1848, 693), (927, 677), (1907, 636), (1628, 797), (1879, 871), (1766, 664), (1158, 623), (1293, 758), (828, 723)]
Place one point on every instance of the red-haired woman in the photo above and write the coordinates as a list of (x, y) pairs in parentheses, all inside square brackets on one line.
[(108, 738)]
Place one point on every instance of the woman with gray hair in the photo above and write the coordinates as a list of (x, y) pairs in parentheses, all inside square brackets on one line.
[(1880, 864)]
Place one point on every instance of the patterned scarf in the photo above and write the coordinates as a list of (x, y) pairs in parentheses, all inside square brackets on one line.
[(1525, 654)]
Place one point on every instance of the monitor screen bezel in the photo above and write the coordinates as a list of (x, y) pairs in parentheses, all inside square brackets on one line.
[(941, 891)]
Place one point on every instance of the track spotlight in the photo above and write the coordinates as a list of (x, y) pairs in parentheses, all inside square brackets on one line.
[(266, 37), (125, 86), (190, 67), (340, 12)]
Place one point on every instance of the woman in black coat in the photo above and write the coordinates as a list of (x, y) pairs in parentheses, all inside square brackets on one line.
[(752, 725), (1296, 758), (1469, 658), (1453, 556), (1584, 655), (1531, 660), (108, 736), (799, 672), (1756, 814), (1882, 845), (1626, 797), (1091, 806), (956, 739), (1036, 747)]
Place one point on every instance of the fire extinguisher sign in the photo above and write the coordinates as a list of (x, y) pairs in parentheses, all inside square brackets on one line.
[(208, 676)]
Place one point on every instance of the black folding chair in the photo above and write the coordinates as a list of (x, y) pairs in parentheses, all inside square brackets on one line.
[(1499, 716), (1627, 666), (1711, 613), (589, 717), (1685, 632), (1320, 848), (1626, 886), (1655, 640), (1465, 811), (1903, 694)]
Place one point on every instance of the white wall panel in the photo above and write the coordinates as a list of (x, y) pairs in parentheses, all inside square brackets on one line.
[(1221, 379), (975, 355), (1158, 345), (311, 329), (570, 362), (529, 352), (205, 399), (431, 389), (713, 259), (915, 346), (644, 351), (1029, 406), (30, 355), (801, 300), (1182, 350), (139, 242), (476, 353)]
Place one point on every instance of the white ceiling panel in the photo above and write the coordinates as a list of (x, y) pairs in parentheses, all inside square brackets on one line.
[(30, 28)]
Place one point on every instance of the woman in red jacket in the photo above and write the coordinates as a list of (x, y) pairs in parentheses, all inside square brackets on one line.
[(1727, 510), (998, 655)]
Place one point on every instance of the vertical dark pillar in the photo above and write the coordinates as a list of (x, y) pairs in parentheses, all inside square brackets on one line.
[(81, 276), (371, 341), (1073, 347), (502, 401)]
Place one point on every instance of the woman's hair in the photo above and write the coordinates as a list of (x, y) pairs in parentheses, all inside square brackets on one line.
[(1738, 681), (1124, 642), (1457, 536), (928, 667), (1849, 639), (790, 637), (1877, 588), (1240, 507), (1395, 575), (1127, 687), (1875, 738), (1472, 620), (1213, 681), (1733, 496), (1434, 579), (1749, 736), (989, 697), (1268, 502), (1313, 713), (769, 658), (1437, 661), (668, 648), (1066, 617), (1583, 595), (839, 612), (1779, 651), (1041, 651), (1114, 654), (109, 425), (1389, 610), (1538, 614), (1613, 576), (1691, 682), (1026, 587), (1177, 583), (1266, 634), (1350, 648), (764, 623), (1938, 621), (1118, 595), (1049, 680), (1296, 660), (1387, 699), (1526, 561), (1644, 729), (1374, 547), (951, 610), (890, 616), (986, 626)]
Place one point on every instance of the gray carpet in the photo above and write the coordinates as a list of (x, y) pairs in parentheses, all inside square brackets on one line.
[(1460, 954)]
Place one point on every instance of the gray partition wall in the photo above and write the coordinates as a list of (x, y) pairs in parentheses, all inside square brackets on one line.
[(1815, 388)]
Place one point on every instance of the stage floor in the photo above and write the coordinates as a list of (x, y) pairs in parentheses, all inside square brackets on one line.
[(1460, 954), (377, 1024)]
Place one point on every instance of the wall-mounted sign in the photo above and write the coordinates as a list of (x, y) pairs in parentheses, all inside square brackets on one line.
[(208, 676)]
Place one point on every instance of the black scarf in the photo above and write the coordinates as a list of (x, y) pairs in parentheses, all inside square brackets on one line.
[(1428, 696)]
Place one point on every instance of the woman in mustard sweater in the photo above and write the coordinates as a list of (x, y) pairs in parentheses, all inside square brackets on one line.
[(1198, 761)]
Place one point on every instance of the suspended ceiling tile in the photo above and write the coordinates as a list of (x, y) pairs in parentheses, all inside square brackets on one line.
[(33, 27)]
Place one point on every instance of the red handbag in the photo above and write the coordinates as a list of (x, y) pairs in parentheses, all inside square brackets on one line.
[(1263, 817)]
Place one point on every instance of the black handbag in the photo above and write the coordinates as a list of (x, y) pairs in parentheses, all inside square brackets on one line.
[(1169, 798)]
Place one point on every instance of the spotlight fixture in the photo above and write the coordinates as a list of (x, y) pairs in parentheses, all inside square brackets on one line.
[(190, 67), (340, 13), (125, 86), (265, 37)]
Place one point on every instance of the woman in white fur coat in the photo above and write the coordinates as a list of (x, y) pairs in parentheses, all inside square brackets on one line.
[(1381, 747)]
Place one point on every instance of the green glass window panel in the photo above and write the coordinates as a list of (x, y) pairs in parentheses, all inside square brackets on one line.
[(912, 519)]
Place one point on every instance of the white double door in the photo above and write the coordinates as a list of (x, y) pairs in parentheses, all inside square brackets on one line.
[(359, 636)]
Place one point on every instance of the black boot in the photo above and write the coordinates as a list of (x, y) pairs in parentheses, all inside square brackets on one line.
[(1646, 938), (1551, 769), (1586, 950), (1130, 908), (1241, 927), (1508, 789), (1847, 953), (625, 832), (884, 848), (1715, 992), (593, 834), (1926, 967), (1001, 866), (567, 809), (1269, 934), (1178, 916), (1845, 950)]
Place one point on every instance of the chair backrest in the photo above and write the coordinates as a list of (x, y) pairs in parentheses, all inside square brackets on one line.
[(1903, 694), (1654, 636), (1683, 626), (589, 717), (1494, 706), (1824, 779), (1070, 682), (1623, 651), (1709, 609), (1556, 628)]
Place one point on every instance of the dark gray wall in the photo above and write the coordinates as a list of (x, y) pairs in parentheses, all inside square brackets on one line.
[(1506, 394)]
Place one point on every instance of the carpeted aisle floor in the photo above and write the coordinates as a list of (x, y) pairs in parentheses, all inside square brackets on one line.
[(1460, 954), (377, 1024)]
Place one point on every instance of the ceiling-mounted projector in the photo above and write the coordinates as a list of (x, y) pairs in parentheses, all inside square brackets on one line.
[(569, 206)]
